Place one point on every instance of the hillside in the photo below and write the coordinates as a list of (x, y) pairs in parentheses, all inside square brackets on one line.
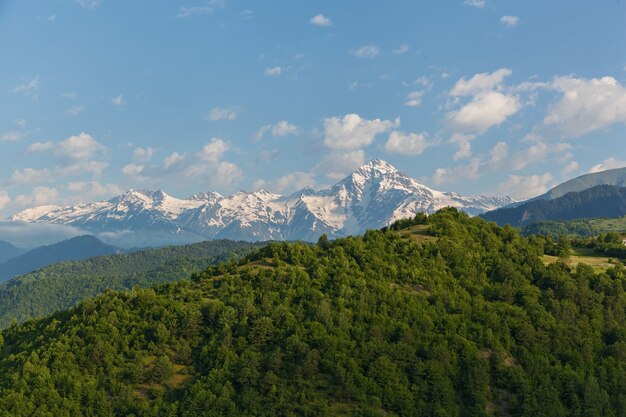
[(64, 284), (469, 322), (599, 201), (8, 251), (76, 248), (579, 227), (615, 177)]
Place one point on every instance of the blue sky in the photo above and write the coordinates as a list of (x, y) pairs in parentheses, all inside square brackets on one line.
[(490, 96)]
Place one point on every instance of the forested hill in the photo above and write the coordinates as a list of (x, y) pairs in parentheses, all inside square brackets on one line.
[(455, 317), (579, 227), (64, 284), (76, 248), (599, 201)]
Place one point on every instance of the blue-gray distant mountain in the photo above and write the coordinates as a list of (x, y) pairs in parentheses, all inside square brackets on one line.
[(599, 201), (616, 177), (372, 197), (75, 249), (8, 251)]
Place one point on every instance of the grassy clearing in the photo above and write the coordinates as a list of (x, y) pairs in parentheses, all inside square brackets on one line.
[(419, 234), (583, 256)]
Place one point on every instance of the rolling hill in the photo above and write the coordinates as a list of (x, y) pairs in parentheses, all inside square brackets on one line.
[(468, 323), (599, 201), (62, 285)]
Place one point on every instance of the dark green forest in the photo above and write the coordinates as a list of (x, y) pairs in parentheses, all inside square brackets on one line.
[(459, 318), (577, 228), (599, 201), (62, 285)]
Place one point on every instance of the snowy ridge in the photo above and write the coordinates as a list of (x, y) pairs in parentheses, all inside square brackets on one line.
[(373, 196)]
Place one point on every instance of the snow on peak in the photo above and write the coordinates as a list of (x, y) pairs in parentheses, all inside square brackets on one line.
[(372, 196), (210, 196), (33, 214), (378, 165)]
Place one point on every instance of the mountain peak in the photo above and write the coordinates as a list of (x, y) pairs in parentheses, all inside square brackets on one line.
[(378, 165)]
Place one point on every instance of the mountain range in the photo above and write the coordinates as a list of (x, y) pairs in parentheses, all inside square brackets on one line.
[(371, 197)]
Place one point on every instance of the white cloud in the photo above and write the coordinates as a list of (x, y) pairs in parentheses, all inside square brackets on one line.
[(402, 49), (74, 154), (488, 105), (499, 153), (284, 128), (339, 164), (13, 136), (118, 101), (90, 190), (587, 104), (203, 167), (29, 88), (143, 154), (475, 3), (464, 150), (80, 147), (470, 171), (414, 99), (610, 163), (36, 234), (571, 167), (475, 167), (40, 147), (510, 21), (480, 82), (261, 132), (222, 113), (21, 122), (188, 11), (83, 167), (321, 20), (30, 176), (214, 150), (4, 199), (366, 51), (133, 170), (173, 159), (88, 4), (523, 187), (537, 152), (289, 182), (39, 196), (274, 71), (485, 110), (75, 110), (406, 143), (246, 14), (353, 132), (424, 81), (226, 174)]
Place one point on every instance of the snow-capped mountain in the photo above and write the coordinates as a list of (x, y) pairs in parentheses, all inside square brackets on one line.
[(371, 197)]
